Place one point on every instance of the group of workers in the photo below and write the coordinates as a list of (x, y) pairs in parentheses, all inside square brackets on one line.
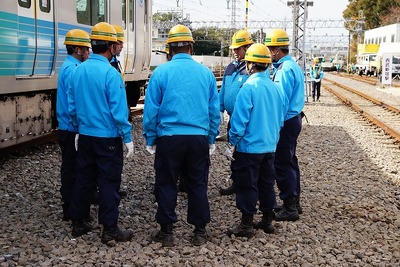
[(93, 114), (182, 116)]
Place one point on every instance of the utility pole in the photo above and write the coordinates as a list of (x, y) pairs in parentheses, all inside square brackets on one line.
[(233, 14), (300, 15)]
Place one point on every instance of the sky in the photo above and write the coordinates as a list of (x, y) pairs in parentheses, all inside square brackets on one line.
[(216, 10)]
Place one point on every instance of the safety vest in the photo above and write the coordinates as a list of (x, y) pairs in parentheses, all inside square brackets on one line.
[(319, 69)]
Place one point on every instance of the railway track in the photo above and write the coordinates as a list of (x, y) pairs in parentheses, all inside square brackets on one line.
[(379, 113), (366, 79)]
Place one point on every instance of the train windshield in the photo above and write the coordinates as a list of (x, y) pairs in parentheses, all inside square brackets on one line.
[(91, 12)]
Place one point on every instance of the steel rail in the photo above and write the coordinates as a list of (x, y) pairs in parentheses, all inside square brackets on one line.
[(366, 79), (369, 98), (388, 130)]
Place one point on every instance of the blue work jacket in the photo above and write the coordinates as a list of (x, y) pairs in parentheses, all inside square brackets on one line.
[(97, 100), (233, 79), (64, 80), (181, 99), (288, 74), (258, 116)]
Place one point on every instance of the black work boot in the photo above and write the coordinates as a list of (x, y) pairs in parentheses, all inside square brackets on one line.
[(266, 222), (229, 190), (112, 235), (181, 184), (65, 208), (80, 227), (123, 193), (298, 206), (164, 235), (245, 228), (95, 198), (201, 236), (289, 211)]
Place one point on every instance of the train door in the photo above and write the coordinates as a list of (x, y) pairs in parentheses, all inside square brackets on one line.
[(138, 43), (36, 47)]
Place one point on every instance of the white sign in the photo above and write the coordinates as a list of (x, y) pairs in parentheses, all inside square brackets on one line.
[(387, 70)]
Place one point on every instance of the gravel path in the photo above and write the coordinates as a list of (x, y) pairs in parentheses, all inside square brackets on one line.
[(351, 201)]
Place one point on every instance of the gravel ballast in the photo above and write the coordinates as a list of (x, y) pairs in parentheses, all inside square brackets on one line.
[(350, 199)]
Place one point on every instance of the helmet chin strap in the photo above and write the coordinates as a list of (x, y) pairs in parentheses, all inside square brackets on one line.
[(250, 71), (79, 54)]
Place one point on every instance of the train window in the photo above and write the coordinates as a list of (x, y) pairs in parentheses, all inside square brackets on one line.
[(131, 15), (24, 3), (123, 14), (45, 6), (91, 12)]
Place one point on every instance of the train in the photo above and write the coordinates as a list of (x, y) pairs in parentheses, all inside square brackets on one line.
[(32, 34)]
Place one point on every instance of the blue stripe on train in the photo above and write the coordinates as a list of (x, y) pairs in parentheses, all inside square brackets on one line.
[(17, 45)]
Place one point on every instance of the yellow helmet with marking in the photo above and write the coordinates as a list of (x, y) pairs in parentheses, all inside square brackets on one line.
[(277, 37), (103, 31), (240, 38), (77, 37), (180, 34), (258, 53), (120, 33)]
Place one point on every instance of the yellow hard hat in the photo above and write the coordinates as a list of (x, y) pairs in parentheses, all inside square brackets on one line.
[(316, 60), (240, 38), (180, 33), (258, 53), (77, 37), (104, 32), (120, 33), (167, 48), (277, 37)]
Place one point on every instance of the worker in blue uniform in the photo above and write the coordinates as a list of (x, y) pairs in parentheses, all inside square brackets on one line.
[(180, 125), (316, 74), (97, 106), (117, 65), (233, 79), (287, 74), (252, 144), (77, 43), (119, 46)]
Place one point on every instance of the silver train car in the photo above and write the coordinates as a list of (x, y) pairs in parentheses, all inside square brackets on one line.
[(32, 34)]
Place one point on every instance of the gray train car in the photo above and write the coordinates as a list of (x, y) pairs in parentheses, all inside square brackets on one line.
[(32, 34)]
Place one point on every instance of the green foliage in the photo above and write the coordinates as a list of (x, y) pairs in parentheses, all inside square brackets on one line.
[(167, 16), (208, 41), (373, 11)]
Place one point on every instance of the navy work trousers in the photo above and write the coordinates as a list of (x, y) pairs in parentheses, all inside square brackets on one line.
[(172, 154), (66, 140), (255, 179), (316, 89), (286, 164), (99, 164)]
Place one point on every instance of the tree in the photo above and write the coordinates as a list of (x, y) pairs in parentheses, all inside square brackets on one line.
[(208, 41), (392, 17), (167, 17), (368, 14), (373, 11)]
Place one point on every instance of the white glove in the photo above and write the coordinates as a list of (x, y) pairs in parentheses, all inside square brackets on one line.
[(221, 118), (229, 152), (151, 149), (211, 148), (130, 148), (76, 141)]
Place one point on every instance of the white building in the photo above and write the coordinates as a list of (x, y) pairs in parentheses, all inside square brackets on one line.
[(385, 34)]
